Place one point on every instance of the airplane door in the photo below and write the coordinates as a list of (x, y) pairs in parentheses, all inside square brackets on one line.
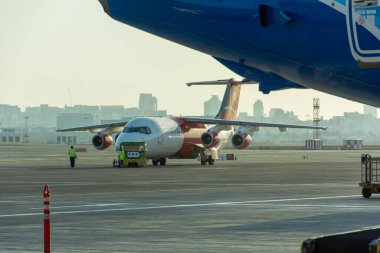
[(363, 25), (160, 137)]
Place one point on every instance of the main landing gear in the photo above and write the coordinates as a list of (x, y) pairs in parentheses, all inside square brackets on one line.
[(162, 161), (206, 159)]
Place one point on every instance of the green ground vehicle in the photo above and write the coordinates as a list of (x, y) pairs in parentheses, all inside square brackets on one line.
[(134, 154)]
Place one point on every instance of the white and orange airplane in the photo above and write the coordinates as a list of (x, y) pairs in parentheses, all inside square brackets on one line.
[(185, 137)]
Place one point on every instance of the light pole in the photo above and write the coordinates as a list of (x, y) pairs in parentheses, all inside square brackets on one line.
[(26, 134)]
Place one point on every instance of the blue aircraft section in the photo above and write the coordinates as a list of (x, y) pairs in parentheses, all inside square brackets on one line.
[(364, 30), (328, 45), (267, 81)]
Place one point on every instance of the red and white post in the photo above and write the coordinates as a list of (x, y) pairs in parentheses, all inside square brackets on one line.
[(46, 219)]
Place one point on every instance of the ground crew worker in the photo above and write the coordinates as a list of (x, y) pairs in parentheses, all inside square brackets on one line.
[(73, 156), (121, 158)]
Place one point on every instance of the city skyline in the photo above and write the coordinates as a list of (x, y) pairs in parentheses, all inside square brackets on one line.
[(40, 123), (70, 52), (48, 116), (266, 110)]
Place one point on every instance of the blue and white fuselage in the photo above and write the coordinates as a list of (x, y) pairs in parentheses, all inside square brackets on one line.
[(328, 45)]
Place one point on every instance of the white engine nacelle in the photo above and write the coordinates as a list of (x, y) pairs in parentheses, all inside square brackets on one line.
[(210, 139), (241, 140), (102, 141)]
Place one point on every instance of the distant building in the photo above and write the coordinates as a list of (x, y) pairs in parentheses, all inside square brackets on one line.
[(94, 110), (132, 112), (359, 124), (162, 113), (10, 116), (68, 120), (243, 116), (44, 115), (370, 110), (10, 135), (279, 115), (112, 112), (147, 105), (211, 107), (34, 116), (258, 110)]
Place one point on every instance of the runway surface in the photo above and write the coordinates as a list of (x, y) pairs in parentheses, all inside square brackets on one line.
[(265, 201)]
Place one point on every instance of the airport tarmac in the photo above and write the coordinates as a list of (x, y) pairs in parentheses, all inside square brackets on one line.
[(265, 201)]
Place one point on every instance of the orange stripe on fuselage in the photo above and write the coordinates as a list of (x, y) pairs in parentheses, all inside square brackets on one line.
[(192, 135)]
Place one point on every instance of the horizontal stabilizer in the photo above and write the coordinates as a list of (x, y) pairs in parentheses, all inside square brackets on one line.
[(222, 82)]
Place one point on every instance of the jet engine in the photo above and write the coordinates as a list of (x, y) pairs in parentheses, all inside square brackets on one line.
[(210, 139), (102, 141), (241, 140)]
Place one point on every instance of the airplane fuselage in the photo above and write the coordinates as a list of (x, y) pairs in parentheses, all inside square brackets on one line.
[(168, 137), (183, 137), (328, 45)]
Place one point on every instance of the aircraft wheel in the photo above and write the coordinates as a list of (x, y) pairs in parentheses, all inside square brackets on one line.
[(210, 160), (204, 158), (366, 193), (162, 161), (155, 162)]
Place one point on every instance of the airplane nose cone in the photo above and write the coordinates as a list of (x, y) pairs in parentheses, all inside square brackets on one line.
[(104, 3)]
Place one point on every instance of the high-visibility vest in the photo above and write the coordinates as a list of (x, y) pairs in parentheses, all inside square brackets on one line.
[(121, 155), (72, 152)]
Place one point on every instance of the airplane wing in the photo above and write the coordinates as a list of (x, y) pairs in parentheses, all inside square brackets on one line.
[(113, 127), (282, 127)]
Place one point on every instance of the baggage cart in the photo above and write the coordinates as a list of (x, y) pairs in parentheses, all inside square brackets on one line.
[(370, 175)]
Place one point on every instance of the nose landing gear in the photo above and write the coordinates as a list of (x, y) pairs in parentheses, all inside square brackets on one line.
[(162, 161)]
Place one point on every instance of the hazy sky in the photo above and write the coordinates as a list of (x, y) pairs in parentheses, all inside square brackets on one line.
[(48, 47)]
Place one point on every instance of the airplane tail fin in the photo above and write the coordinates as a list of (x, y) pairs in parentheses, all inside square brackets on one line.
[(229, 107)]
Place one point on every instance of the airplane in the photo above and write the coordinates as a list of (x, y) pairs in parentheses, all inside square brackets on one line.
[(331, 46), (186, 137)]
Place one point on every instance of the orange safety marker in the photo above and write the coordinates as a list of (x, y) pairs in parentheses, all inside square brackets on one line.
[(46, 219)]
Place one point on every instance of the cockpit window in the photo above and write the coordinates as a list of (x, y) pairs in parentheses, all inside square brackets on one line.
[(142, 130)]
